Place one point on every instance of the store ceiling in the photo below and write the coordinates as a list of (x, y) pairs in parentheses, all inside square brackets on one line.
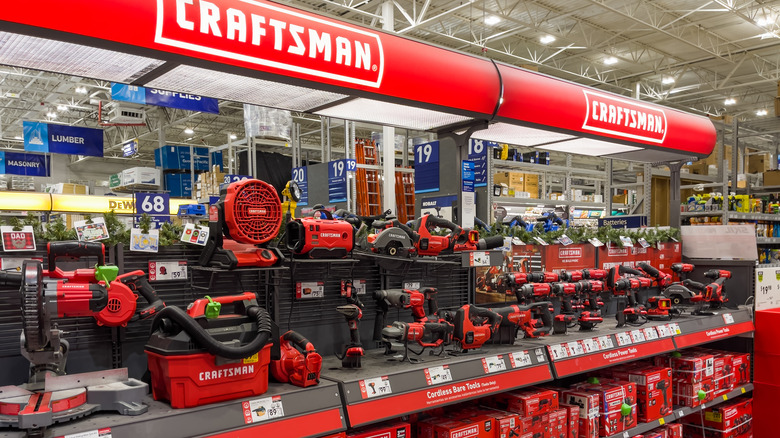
[(690, 55)]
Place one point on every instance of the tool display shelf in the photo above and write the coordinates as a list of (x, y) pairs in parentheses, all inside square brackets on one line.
[(385, 387), (311, 412), (682, 411), (579, 352)]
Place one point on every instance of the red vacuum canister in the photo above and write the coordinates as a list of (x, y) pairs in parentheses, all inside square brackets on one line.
[(218, 350)]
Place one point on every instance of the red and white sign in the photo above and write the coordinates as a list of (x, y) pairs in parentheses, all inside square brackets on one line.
[(570, 253), (624, 118), (99, 433), (604, 358), (710, 335)]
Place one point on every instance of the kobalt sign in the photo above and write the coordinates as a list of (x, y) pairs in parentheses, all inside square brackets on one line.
[(624, 118), (269, 35)]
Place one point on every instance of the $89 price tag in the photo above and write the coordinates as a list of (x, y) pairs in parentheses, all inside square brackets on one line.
[(262, 409)]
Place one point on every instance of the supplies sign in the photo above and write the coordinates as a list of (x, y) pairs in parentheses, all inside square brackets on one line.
[(169, 99), (167, 270), (426, 167)]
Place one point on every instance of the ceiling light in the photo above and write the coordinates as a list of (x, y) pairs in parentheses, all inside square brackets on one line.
[(233, 136), (768, 35), (17, 137), (81, 90), (189, 131), (62, 107), (492, 20), (51, 115), (765, 21), (547, 39), (667, 80), (761, 112), (610, 61), (730, 101)]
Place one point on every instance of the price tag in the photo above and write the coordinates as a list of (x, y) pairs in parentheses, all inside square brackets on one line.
[(674, 328), (626, 435), (637, 336), (590, 345), (575, 349), (492, 364), (263, 409), (309, 289), (565, 240), (479, 258), (558, 351), (623, 338), (412, 285), (661, 421), (606, 342), (540, 241), (358, 287), (663, 331), (728, 318), (100, 433), (167, 270), (520, 359), (595, 242), (681, 414), (437, 375), (650, 333), (375, 387)]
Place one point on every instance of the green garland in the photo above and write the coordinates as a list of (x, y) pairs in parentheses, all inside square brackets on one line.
[(605, 234)]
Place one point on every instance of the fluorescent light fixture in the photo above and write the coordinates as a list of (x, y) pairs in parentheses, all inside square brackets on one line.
[(768, 35), (226, 86), (667, 80), (588, 146), (73, 59), (51, 114), (85, 204), (189, 131), (518, 135), (610, 60), (62, 107), (25, 201), (547, 39), (761, 112), (233, 136), (765, 21), (492, 20), (81, 90), (18, 137), (391, 114), (730, 101)]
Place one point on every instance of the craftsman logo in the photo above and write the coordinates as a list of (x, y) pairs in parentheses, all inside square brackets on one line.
[(463, 433), (624, 118), (226, 372), (336, 235), (272, 36), (569, 253), (615, 251), (256, 211)]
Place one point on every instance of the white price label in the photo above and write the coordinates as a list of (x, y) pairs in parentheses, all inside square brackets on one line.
[(728, 318), (309, 289), (590, 345), (262, 409), (623, 339), (650, 333), (663, 331), (605, 342), (375, 387), (479, 258), (575, 348), (492, 364), (167, 270), (674, 328), (520, 359), (358, 287), (437, 375), (637, 336), (100, 433), (558, 351), (413, 285)]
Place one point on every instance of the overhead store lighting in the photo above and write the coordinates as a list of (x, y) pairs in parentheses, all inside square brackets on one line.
[(492, 20), (383, 113), (610, 60), (203, 82), (588, 146), (62, 107), (233, 136), (73, 59), (189, 131), (765, 21), (25, 201), (519, 135), (17, 137), (730, 101), (667, 80), (761, 112), (547, 39), (81, 90), (51, 114)]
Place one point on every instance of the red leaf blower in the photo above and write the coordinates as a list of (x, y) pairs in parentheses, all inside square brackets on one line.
[(459, 239), (300, 364)]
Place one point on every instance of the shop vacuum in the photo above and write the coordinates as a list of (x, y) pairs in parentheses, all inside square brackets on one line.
[(218, 349)]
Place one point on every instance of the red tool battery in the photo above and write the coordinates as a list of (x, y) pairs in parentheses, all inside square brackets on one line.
[(187, 375), (392, 430)]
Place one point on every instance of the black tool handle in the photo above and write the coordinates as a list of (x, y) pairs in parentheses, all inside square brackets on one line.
[(494, 319), (653, 272), (546, 316), (690, 284), (431, 296), (433, 221), (75, 249), (297, 339), (623, 270), (138, 282), (10, 278)]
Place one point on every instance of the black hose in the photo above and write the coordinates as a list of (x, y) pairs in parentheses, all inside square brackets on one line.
[(490, 242), (203, 339)]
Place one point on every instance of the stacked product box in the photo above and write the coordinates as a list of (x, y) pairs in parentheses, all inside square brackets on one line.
[(617, 405), (588, 411), (728, 420), (389, 430), (692, 377), (654, 388), (534, 407), (666, 431)]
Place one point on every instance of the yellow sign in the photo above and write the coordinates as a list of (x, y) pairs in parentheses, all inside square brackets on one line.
[(252, 359)]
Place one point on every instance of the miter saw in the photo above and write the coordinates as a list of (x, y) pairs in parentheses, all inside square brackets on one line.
[(50, 396)]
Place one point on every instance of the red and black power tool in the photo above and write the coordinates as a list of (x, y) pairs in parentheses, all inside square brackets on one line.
[(412, 299), (662, 279), (425, 334), (300, 364), (533, 292), (590, 316), (218, 349), (568, 294), (459, 239), (585, 274), (249, 216), (353, 351), (317, 238), (473, 325), (392, 237), (534, 320), (682, 270), (629, 311), (710, 297), (659, 308)]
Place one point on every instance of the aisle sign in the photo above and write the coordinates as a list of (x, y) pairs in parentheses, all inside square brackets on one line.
[(167, 270), (478, 154), (301, 177), (16, 163), (62, 139), (337, 179), (130, 148), (235, 178), (169, 99), (156, 205), (426, 167)]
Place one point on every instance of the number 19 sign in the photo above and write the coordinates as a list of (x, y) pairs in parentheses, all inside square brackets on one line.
[(337, 179), (426, 167)]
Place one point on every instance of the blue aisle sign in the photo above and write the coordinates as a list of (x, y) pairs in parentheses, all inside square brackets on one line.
[(426, 167), (130, 148), (235, 178), (478, 154), (467, 176), (15, 163), (624, 221), (337, 179), (169, 99), (300, 175), (61, 139), (156, 205)]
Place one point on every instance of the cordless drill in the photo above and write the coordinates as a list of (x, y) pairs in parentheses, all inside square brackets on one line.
[(663, 386), (682, 270), (585, 274), (590, 316), (567, 293), (662, 278), (533, 292), (354, 350), (624, 289)]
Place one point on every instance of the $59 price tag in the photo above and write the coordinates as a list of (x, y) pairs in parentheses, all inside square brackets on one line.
[(167, 270)]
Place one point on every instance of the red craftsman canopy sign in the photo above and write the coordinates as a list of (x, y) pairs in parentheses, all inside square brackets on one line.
[(323, 64)]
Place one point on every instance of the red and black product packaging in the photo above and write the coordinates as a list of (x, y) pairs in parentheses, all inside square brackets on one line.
[(573, 418), (740, 363), (693, 366), (503, 421), (558, 424), (588, 411), (692, 394), (393, 430), (655, 433), (617, 405), (526, 402), (654, 392), (476, 427), (187, 375), (728, 420), (723, 376), (674, 430)]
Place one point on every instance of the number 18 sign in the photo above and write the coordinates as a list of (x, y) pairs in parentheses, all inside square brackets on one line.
[(426, 167)]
